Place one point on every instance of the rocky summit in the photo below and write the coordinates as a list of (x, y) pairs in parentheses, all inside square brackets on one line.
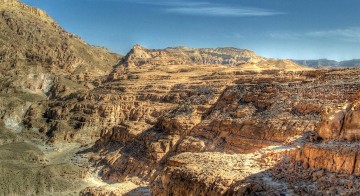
[(78, 119)]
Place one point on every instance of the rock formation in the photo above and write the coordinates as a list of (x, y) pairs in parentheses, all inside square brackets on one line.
[(249, 119), (175, 121), (269, 118)]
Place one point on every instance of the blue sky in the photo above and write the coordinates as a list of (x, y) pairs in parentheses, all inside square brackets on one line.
[(297, 29)]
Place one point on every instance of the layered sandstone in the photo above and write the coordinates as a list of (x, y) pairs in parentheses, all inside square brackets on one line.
[(255, 114)]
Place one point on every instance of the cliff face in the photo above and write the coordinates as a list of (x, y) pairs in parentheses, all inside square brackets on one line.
[(342, 124)]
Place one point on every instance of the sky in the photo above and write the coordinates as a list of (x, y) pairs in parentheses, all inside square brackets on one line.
[(288, 29)]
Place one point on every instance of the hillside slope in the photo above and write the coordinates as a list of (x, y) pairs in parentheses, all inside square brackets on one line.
[(34, 47), (37, 55)]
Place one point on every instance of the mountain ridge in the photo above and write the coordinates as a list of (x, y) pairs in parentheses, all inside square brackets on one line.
[(140, 55), (327, 63), (227, 56)]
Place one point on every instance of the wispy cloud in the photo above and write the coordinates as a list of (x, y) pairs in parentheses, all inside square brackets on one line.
[(285, 35), (234, 36), (350, 34), (347, 34), (222, 11), (206, 9), (170, 3)]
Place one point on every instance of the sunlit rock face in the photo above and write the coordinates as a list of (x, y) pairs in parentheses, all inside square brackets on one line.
[(277, 128), (267, 115)]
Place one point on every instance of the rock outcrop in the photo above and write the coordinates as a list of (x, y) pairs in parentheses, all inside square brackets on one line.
[(341, 125)]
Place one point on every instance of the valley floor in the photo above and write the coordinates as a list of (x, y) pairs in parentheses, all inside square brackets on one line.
[(31, 167)]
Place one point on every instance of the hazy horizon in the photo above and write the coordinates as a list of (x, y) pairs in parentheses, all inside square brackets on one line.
[(302, 30)]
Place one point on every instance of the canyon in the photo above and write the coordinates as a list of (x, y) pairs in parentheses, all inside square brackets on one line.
[(79, 119)]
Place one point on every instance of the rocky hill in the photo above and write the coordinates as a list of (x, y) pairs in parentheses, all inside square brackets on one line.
[(34, 48), (176, 121), (37, 55)]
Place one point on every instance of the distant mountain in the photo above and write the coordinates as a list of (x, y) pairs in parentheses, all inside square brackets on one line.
[(350, 63), (325, 63), (182, 55)]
